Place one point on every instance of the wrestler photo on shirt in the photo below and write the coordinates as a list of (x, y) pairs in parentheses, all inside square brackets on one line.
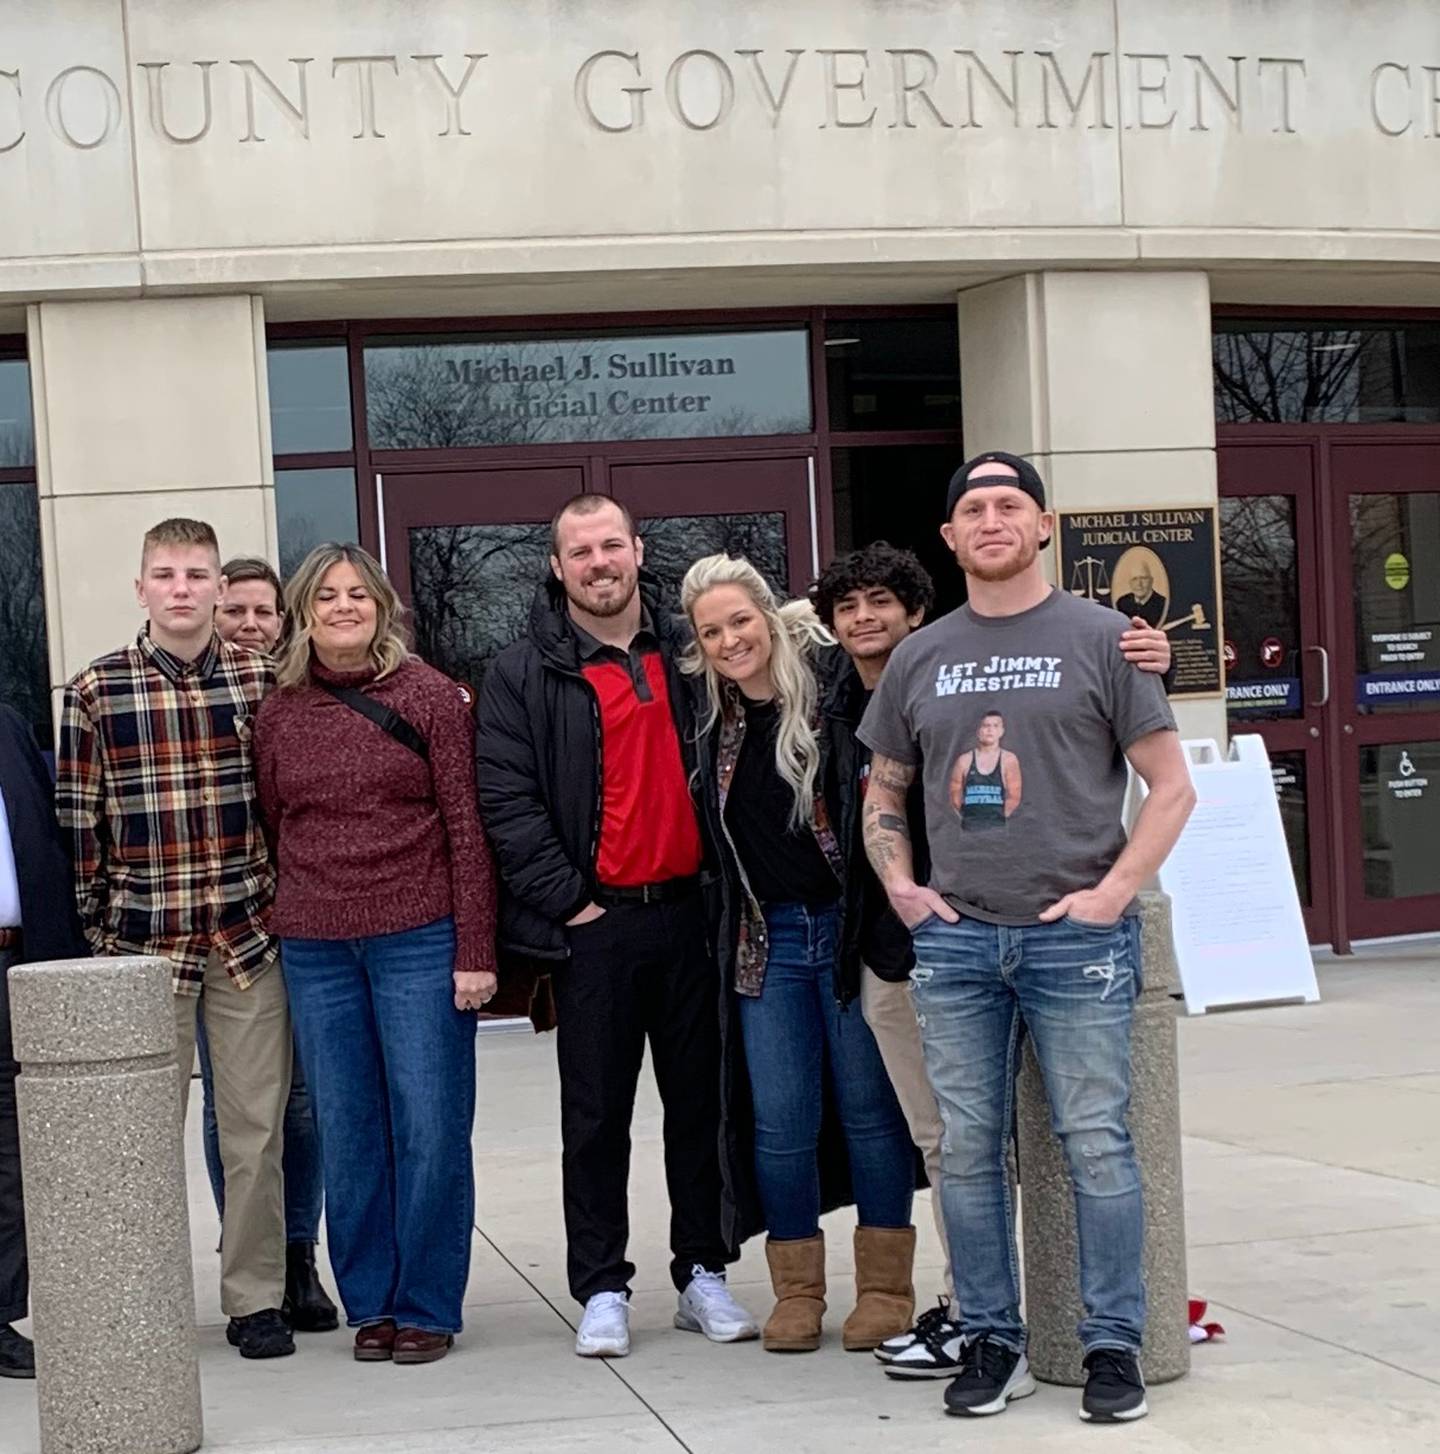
[(985, 783)]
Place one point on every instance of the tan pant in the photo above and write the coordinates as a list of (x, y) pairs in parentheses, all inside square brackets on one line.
[(250, 1053), (890, 1014)]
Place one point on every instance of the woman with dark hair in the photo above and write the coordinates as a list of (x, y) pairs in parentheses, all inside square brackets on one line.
[(385, 911)]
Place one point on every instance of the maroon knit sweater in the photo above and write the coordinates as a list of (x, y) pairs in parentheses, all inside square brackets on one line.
[(369, 839)]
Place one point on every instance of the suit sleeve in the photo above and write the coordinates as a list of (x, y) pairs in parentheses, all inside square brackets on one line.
[(532, 860), (80, 808)]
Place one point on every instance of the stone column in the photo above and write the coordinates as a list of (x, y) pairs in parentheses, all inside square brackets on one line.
[(144, 409), (1047, 1203), (112, 1287), (1105, 379)]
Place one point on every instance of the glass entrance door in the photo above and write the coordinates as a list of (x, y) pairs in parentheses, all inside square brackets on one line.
[(1280, 676), (1386, 504), (466, 549)]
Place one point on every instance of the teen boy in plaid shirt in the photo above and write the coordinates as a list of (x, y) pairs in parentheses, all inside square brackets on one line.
[(156, 788)]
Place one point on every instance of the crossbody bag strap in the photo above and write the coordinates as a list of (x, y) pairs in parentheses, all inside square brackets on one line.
[(385, 718)]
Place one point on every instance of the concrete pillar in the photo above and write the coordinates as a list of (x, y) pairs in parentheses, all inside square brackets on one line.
[(1047, 1205), (1104, 379), (112, 1289), (144, 409)]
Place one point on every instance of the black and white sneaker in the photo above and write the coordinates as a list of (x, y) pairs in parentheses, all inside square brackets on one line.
[(930, 1319), (1114, 1388), (936, 1355), (990, 1376)]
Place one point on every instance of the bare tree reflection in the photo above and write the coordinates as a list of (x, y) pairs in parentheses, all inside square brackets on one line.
[(472, 585), (1327, 375), (1260, 571), (440, 396), (24, 652)]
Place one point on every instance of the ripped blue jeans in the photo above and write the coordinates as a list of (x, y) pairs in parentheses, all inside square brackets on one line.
[(1074, 986)]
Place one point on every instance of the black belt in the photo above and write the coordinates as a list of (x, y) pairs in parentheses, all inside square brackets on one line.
[(667, 891), (9, 939)]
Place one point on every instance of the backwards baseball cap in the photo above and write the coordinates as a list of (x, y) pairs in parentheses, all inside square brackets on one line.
[(973, 475)]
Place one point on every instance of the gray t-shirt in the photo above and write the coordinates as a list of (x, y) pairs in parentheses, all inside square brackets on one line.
[(1021, 723)]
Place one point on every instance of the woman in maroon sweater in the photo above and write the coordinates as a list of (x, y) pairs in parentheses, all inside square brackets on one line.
[(385, 911)]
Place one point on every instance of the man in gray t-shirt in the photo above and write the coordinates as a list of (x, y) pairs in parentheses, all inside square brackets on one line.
[(1022, 722), (1023, 713)]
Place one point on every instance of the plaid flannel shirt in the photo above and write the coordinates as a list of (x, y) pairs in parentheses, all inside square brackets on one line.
[(156, 788)]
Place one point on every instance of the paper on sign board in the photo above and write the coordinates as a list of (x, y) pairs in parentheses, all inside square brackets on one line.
[(1239, 932)]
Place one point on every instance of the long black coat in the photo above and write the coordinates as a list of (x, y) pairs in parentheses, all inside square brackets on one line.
[(42, 863)]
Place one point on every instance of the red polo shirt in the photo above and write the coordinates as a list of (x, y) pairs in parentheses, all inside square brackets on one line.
[(648, 830)]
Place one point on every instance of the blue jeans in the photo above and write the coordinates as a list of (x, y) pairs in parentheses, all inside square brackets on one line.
[(1074, 986), (790, 1031), (304, 1184), (391, 1063)]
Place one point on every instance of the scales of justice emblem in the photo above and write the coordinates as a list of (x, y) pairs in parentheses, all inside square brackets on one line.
[(1144, 589)]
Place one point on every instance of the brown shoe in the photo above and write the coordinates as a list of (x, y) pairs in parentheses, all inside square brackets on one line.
[(412, 1345), (884, 1289), (797, 1273), (375, 1342)]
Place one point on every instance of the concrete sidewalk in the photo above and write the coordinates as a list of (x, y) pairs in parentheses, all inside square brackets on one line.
[(1312, 1165)]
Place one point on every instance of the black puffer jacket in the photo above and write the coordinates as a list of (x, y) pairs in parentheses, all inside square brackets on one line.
[(538, 774)]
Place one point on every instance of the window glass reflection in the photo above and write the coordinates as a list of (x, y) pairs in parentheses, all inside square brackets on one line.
[(1400, 819), (893, 373), (24, 648), (460, 391), (1261, 583), (309, 397), (673, 543), (1326, 373), (1395, 545), (311, 507), (17, 425), (1287, 771)]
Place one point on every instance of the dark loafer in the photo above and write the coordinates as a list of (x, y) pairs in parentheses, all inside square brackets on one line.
[(375, 1342), (413, 1345), (17, 1354)]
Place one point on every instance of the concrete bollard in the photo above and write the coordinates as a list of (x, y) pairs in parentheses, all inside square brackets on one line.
[(112, 1288), (1052, 1276)]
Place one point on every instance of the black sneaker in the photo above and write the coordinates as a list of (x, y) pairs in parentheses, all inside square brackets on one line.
[(261, 1335), (1114, 1389), (990, 1376), (17, 1354), (936, 1355), (930, 1319)]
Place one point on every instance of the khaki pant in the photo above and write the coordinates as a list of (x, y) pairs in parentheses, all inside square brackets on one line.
[(891, 1017), (250, 1052)]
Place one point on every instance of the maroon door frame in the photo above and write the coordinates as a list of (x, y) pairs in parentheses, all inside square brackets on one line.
[(1395, 467), (1395, 457), (1287, 467)]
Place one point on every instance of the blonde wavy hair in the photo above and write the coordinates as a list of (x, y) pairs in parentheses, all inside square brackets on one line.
[(795, 632), (388, 647)]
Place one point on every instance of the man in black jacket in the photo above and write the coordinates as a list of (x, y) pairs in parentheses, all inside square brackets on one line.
[(584, 764), (37, 922)]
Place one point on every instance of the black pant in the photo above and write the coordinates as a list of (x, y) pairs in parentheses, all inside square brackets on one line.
[(14, 1268), (639, 969)]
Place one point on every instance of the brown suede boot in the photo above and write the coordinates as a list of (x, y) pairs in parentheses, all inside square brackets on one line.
[(884, 1291), (797, 1273)]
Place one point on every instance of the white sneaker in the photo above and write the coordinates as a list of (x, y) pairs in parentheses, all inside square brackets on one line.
[(605, 1329), (707, 1307)]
